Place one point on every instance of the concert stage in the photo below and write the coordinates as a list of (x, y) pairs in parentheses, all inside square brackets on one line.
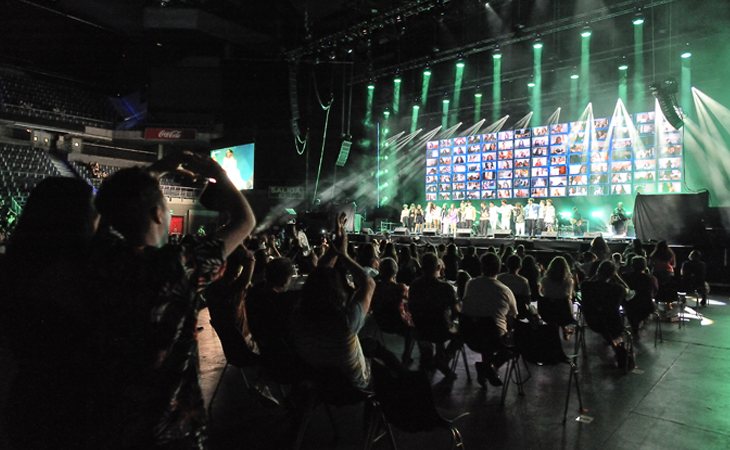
[(552, 245)]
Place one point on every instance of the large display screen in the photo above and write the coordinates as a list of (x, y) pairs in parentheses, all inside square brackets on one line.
[(572, 159), (237, 161)]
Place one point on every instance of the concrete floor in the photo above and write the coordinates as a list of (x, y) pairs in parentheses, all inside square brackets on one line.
[(677, 398)]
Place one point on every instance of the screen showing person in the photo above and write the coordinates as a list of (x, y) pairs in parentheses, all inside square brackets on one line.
[(238, 162)]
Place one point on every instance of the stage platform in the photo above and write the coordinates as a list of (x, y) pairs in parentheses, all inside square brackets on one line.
[(538, 244)]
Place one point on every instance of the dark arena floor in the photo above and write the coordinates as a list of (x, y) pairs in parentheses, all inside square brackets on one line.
[(676, 398)]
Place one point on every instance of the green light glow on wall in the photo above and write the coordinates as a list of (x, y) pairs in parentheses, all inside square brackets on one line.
[(638, 85), (369, 104), (396, 95), (445, 114), (477, 106), (536, 90), (497, 85), (458, 79), (414, 118), (424, 86), (585, 69)]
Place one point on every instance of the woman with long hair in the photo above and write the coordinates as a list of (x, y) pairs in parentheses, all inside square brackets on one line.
[(557, 291)]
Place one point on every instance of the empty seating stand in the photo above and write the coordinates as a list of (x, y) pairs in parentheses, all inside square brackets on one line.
[(41, 100), (21, 168)]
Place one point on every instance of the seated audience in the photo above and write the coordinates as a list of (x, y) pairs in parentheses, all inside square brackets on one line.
[(557, 290), (408, 266), (518, 284), (488, 298), (645, 286), (328, 319), (269, 307), (434, 309), (470, 262), (143, 299), (694, 276), (451, 261), (662, 261), (390, 304), (602, 296), (532, 272)]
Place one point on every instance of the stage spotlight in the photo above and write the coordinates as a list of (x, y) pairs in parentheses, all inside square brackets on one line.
[(686, 55), (638, 19), (531, 84), (497, 54), (586, 32), (478, 94), (574, 76), (371, 86), (427, 72), (623, 67), (397, 79), (460, 64), (537, 44)]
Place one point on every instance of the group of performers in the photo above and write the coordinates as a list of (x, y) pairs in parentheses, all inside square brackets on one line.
[(530, 220)]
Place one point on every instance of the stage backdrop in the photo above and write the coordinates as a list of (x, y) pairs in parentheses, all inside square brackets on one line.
[(677, 218)]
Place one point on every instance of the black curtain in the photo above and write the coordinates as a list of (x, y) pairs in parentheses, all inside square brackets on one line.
[(677, 218)]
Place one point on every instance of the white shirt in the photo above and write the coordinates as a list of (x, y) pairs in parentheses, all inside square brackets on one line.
[(487, 297), (470, 213), (549, 214)]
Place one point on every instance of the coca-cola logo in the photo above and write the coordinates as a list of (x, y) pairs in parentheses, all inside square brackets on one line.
[(169, 134)]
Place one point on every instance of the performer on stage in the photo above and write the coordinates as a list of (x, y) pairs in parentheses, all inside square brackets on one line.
[(519, 216), (493, 216), (436, 217), (549, 215), (470, 214), (419, 220), (506, 211), (618, 220), (579, 226), (541, 217), (453, 220), (532, 212), (404, 214), (483, 219)]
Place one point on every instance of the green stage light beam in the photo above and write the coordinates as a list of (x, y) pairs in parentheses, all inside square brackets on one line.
[(369, 104), (574, 93), (536, 94), (496, 85), (426, 80), (445, 113), (414, 118), (458, 80), (477, 106), (585, 67), (623, 82), (685, 85), (396, 94), (638, 85)]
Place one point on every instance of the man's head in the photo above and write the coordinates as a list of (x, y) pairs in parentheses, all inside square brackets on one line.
[(491, 264), (131, 202), (388, 268), (514, 263), (278, 273), (431, 265), (638, 263)]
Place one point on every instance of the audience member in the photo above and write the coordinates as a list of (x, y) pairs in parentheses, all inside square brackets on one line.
[(645, 287), (326, 324), (531, 271), (557, 290), (434, 308), (694, 276), (44, 321), (470, 262), (144, 302), (518, 284), (451, 262), (408, 267), (602, 296), (486, 297), (390, 305)]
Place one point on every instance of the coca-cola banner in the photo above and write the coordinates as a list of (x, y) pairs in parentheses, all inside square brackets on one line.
[(169, 134)]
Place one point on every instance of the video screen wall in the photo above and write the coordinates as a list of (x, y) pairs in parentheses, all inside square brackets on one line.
[(572, 159), (237, 161)]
